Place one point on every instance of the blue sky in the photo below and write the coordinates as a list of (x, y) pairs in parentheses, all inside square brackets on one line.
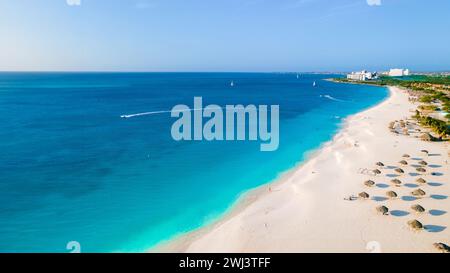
[(224, 35)]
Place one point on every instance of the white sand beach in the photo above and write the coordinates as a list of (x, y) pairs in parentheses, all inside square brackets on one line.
[(305, 210)]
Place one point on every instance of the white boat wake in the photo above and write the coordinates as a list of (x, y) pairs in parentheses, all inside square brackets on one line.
[(331, 98), (161, 112)]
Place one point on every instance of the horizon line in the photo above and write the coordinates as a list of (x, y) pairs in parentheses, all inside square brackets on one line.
[(199, 71), (150, 71)]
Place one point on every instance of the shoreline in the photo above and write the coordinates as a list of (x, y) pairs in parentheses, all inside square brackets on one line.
[(180, 242), (247, 226)]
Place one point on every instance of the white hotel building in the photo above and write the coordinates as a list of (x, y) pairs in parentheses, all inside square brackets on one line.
[(398, 72), (362, 76)]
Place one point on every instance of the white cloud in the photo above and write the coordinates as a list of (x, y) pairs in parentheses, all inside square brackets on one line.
[(374, 2), (73, 2)]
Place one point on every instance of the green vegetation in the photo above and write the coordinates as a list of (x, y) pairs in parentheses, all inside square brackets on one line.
[(428, 89), (428, 108), (440, 127), (426, 99), (419, 82)]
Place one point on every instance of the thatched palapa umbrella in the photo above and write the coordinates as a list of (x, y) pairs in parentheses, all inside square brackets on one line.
[(391, 194), (379, 164), (426, 137), (376, 171), (399, 170), (364, 195), (424, 151), (415, 224), (417, 208), (442, 247), (421, 170), (369, 183), (403, 162), (423, 163), (418, 192), (383, 210), (406, 155), (421, 180), (396, 182)]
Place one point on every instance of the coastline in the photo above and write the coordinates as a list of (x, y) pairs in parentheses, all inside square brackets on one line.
[(304, 211)]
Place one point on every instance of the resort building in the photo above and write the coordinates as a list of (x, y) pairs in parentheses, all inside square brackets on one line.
[(398, 72), (362, 76)]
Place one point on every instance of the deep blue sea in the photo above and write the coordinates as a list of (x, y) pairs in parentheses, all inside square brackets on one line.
[(72, 170)]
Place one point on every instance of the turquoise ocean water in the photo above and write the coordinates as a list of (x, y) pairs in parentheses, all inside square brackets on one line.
[(72, 170)]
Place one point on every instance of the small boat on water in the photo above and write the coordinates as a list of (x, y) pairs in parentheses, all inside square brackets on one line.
[(314, 84), (232, 84)]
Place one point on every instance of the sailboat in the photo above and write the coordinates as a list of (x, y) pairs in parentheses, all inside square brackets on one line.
[(314, 84)]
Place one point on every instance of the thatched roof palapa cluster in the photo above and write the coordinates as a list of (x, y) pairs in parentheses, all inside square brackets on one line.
[(421, 180), (383, 210), (396, 182), (415, 224), (421, 170), (369, 183), (418, 192), (426, 137), (363, 195), (423, 163), (418, 208), (442, 247), (391, 194)]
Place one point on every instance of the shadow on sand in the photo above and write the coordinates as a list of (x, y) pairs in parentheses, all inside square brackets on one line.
[(409, 198), (434, 184), (399, 213), (392, 175), (379, 198), (437, 212), (434, 228), (438, 196)]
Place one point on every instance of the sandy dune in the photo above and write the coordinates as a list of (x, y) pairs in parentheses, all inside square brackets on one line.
[(305, 210)]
